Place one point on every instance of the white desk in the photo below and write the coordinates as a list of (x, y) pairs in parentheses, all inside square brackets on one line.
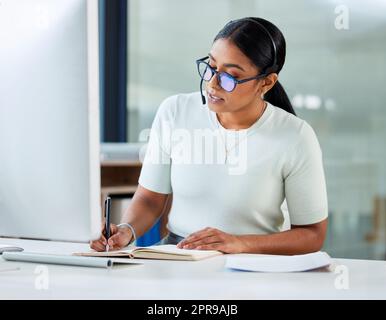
[(207, 279)]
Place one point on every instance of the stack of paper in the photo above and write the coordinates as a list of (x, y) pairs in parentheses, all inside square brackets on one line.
[(278, 263)]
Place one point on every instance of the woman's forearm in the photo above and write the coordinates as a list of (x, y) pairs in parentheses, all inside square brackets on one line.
[(299, 240), (142, 213)]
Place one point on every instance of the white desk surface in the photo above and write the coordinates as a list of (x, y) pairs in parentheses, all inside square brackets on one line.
[(206, 279)]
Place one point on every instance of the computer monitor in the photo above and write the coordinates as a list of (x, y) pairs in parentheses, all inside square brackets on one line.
[(49, 120)]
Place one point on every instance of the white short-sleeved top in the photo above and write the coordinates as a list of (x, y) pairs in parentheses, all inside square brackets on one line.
[(240, 191)]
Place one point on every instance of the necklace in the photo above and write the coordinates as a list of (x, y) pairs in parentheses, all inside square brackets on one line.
[(228, 150)]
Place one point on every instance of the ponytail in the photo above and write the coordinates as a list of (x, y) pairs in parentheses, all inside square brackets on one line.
[(278, 97)]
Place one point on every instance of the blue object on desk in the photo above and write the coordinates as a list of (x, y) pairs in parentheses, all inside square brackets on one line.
[(151, 237)]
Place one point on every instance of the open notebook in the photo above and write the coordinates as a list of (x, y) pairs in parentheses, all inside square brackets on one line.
[(161, 252)]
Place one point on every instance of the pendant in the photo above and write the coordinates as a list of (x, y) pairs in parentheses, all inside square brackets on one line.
[(222, 155)]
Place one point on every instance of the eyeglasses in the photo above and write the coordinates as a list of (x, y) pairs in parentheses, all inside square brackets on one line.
[(225, 80)]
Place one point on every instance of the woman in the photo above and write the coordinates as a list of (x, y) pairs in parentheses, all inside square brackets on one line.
[(280, 156)]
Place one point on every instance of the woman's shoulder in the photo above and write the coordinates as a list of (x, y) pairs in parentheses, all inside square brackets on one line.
[(291, 126), (181, 100), (180, 106)]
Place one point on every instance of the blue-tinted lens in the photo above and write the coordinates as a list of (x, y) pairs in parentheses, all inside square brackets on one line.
[(208, 74), (204, 71), (226, 82)]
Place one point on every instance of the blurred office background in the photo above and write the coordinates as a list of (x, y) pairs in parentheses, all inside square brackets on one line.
[(334, 73)]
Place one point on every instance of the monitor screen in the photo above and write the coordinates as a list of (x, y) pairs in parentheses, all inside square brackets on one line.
[(49, 120)]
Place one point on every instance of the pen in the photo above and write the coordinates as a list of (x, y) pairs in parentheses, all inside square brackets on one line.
[(107, 220)]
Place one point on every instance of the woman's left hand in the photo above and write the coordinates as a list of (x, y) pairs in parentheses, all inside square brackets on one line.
[(212, 239)]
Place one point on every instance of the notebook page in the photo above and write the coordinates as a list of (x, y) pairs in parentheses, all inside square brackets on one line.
[(172, 249)]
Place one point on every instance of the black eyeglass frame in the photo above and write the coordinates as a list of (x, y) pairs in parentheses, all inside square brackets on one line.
[(217, 73)]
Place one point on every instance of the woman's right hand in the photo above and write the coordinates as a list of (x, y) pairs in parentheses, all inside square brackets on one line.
[(119, 238)]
